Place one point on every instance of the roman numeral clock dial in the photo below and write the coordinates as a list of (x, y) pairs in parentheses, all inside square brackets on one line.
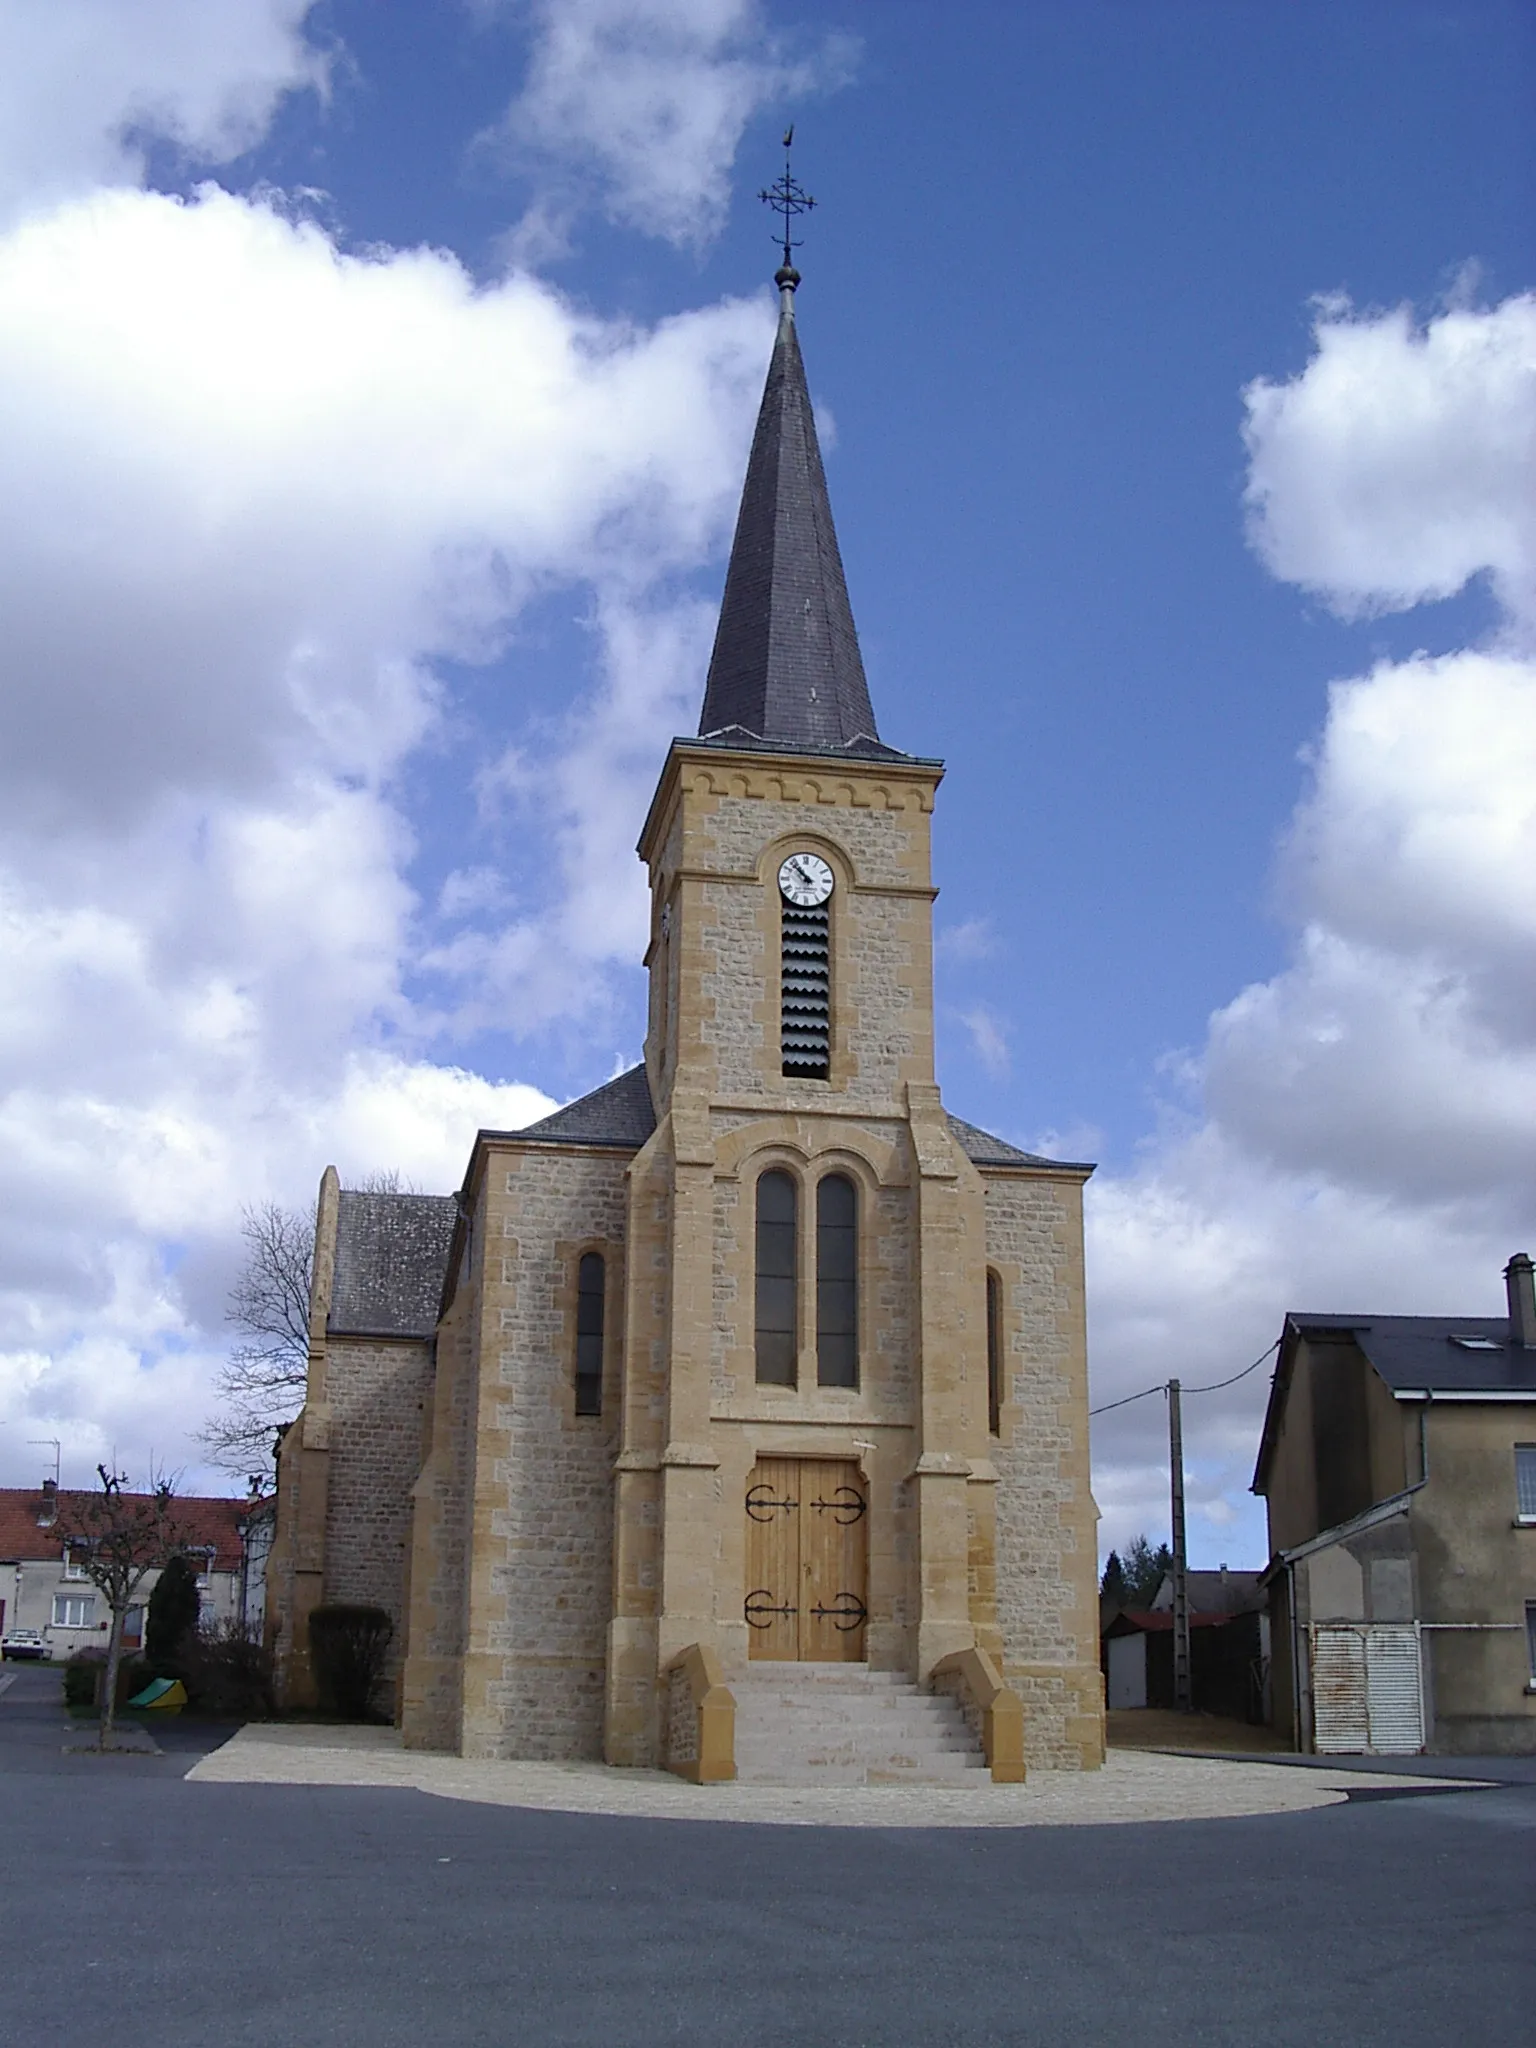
[(805, 880)]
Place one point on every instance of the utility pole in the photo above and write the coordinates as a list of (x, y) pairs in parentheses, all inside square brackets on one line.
[(1183, 1691)]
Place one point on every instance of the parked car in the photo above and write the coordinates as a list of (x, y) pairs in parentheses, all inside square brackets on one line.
[(24, 1642)]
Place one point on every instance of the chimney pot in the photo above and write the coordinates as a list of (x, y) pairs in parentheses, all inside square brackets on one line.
[(1520, 1286)]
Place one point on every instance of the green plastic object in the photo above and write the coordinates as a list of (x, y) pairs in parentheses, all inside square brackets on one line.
[(161, 1696)]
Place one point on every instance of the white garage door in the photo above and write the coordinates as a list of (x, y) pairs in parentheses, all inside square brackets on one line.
[(1367, 1696), (1127, 1671)]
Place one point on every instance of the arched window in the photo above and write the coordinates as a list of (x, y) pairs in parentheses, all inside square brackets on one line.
[(777, 1278), (590, 1289), (994, 1354), (837, 1282)]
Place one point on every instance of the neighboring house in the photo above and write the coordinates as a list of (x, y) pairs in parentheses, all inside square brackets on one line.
[(256, 1530), (1398, 1464), (42, 1588), (1228, 1647), (754, 1352), (1220, 1592)]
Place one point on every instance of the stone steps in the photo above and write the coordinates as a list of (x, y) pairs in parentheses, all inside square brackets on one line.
[(843, 1724)]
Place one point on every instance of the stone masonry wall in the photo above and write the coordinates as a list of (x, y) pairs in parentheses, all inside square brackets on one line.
[(439, 1578), (874, 940), (1046, 1517), (377, 1387), (544, 1487), (880, 841)]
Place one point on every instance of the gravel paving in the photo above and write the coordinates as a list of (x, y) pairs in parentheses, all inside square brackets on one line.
[(1134, 1785)]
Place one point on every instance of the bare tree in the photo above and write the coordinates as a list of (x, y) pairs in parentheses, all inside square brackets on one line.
[(261, 1384), (117, 1539)]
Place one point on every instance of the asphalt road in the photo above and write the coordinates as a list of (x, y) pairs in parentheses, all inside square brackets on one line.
[(158, 1911)]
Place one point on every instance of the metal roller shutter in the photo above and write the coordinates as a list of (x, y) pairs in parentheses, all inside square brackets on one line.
[(1394, 1698), (1367, 1693), (1339, 1725)]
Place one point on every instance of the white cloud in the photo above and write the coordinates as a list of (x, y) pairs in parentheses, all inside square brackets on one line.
[(988, 1039), (258, 489), (960, 944), (84, 82), (1401, 462), (638, 106), (1363, 1131)]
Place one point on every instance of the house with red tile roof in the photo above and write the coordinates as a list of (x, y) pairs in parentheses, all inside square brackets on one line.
[(42, 1589)]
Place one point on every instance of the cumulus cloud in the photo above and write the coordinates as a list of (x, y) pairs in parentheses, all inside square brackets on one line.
[(1359, 1131), (637, 106), (1399, 464), (86, 84), (259, 491)]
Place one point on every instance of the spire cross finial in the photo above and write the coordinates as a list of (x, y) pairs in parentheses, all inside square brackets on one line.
[(788, 198)]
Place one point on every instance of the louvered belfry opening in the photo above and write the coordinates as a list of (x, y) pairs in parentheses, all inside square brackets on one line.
[(805, 992)]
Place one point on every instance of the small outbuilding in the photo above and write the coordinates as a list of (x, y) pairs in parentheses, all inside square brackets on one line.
[(1228, 1648)]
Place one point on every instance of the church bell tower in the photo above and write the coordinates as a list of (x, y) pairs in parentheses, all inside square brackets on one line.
[(820, 1390)]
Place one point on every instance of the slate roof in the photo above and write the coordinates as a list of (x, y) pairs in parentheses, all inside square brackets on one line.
[(1419, 1354), (786, 665), (621, 1113), (391, 1258), (618, 1113), (207, 1522), (982, 1149), (1413, 1355)]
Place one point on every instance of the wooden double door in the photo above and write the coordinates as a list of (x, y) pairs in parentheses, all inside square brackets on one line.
[(807, 1560)]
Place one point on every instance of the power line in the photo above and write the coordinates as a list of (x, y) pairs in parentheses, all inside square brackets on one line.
[(1215, 1386), (1160, 1388)]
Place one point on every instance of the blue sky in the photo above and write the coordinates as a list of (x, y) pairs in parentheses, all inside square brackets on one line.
[(1053, 243), (455, 523)]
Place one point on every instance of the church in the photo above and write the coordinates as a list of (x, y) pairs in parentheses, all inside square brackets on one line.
[(754, 1364)]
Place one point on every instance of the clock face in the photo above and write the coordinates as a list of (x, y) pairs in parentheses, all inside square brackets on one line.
[(805, 880)]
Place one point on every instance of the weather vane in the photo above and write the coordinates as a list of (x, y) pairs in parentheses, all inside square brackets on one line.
[(789, 199)]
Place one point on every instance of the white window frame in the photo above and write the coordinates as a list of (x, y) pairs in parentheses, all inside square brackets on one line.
[(85, 1602), (205, 1570), (1525, 1484), (74, 1573)]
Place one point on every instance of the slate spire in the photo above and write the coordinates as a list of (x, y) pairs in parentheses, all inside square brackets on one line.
[(786, 665)]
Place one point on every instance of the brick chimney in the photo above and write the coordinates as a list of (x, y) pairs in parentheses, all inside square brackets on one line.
[(1520, 1284), (48, 1507)]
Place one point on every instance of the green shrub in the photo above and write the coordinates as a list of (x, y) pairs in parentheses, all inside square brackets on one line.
[(82, 1678), (83, 1675), (171, 1620), (347, 1647), (227, 1670)]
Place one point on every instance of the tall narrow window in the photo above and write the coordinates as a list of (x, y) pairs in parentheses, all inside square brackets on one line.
[(837, 1282), (994, 1354), (590, 1277), (1525, 1482), (776, 1279)]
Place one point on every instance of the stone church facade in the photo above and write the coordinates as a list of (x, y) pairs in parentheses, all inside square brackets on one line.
[(755, 1354)]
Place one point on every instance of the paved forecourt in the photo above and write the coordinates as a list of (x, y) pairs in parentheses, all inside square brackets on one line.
[(1132, 1786)]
